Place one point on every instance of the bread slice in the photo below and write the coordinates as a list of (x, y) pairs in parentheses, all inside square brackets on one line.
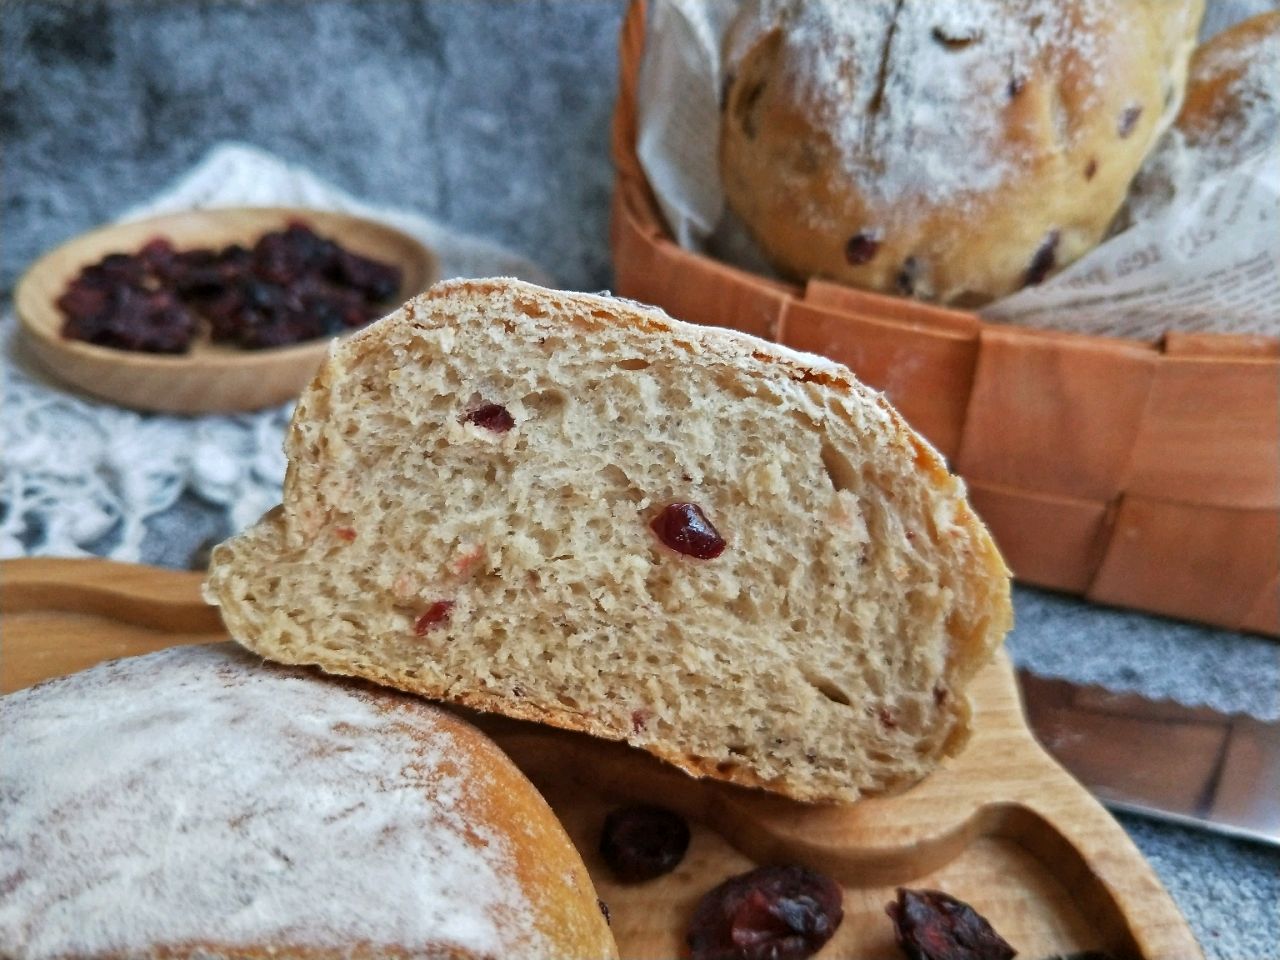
[(472, 510)]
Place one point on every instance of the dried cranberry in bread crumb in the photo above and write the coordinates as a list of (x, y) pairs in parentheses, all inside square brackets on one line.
[(196, 803), (434, 615), (685, 529), (491, 416), (929, 149), (817, 578)]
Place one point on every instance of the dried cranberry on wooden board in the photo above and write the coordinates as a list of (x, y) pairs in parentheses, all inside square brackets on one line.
[(931, 925), (293, 285), (770, 913), (642, 842)]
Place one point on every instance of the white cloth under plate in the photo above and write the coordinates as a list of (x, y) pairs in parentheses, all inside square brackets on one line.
[(77, 473)]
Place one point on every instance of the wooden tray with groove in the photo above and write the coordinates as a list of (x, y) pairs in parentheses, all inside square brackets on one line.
[(1001, 826)]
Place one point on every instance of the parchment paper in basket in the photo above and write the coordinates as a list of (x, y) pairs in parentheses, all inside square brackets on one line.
[(1210, 262)]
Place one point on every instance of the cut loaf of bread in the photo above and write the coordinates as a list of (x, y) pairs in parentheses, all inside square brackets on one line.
[(470, 513)]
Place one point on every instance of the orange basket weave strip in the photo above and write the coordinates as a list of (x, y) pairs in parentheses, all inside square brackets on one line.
[(1141, 475)]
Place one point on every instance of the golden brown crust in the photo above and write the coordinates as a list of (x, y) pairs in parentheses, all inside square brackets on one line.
[(494, 801), (1072, 129), (1230, 117), (1214, 81)]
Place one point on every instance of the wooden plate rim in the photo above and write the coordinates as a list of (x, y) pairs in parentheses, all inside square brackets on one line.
[(27, 303)]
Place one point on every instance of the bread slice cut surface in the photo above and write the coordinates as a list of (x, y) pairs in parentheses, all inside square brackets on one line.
[(574, 509)]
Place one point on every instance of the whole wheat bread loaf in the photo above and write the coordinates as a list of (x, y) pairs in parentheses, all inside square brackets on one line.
[(576, 510)]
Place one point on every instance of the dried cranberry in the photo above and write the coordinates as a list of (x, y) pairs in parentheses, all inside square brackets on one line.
[(771, 913), (377, 281), (82, 301), (1044, 259), (862, 247), (685, 528), (157, 254), (642, 842), (491, 416), (640, 720), (1129, 120), (133, 318), (931, 925), (956, 40), (278, 330), (118, 268), (434, 615)]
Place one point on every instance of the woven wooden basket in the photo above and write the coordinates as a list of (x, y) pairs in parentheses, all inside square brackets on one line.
[(1138, 474)]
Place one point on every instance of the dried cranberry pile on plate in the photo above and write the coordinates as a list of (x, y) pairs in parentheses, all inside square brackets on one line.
[(293, 285)]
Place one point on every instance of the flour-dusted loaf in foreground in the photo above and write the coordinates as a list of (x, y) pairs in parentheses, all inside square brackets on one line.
[(196, 803), (576, 510)]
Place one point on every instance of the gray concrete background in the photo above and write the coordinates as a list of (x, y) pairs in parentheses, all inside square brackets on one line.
[(492, 116)]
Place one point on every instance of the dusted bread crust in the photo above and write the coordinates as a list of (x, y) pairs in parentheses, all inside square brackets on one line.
[(823, 654), (951, 150), (1231, 115), (197, 804)]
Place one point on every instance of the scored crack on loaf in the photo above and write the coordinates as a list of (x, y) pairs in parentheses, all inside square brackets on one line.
[(197, 804), (950, 150), (471, 512)]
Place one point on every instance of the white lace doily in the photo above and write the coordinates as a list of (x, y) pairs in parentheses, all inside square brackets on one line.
[(77, 473)]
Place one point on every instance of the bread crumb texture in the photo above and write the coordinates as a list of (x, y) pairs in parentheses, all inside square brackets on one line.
[(197, 803), (424, 544)]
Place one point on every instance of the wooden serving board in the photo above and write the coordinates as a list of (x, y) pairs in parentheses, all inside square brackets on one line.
[(1001, 826)]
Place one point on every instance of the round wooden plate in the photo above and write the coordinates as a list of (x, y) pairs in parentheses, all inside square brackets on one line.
[(210, 378)]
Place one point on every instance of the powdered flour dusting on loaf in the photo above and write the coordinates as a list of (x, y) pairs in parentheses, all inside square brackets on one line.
[(1229, 124), (914, 94), (196, 796), (1252, 89)]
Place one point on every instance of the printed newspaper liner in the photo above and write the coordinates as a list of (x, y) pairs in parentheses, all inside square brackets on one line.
[(1137, 474)]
